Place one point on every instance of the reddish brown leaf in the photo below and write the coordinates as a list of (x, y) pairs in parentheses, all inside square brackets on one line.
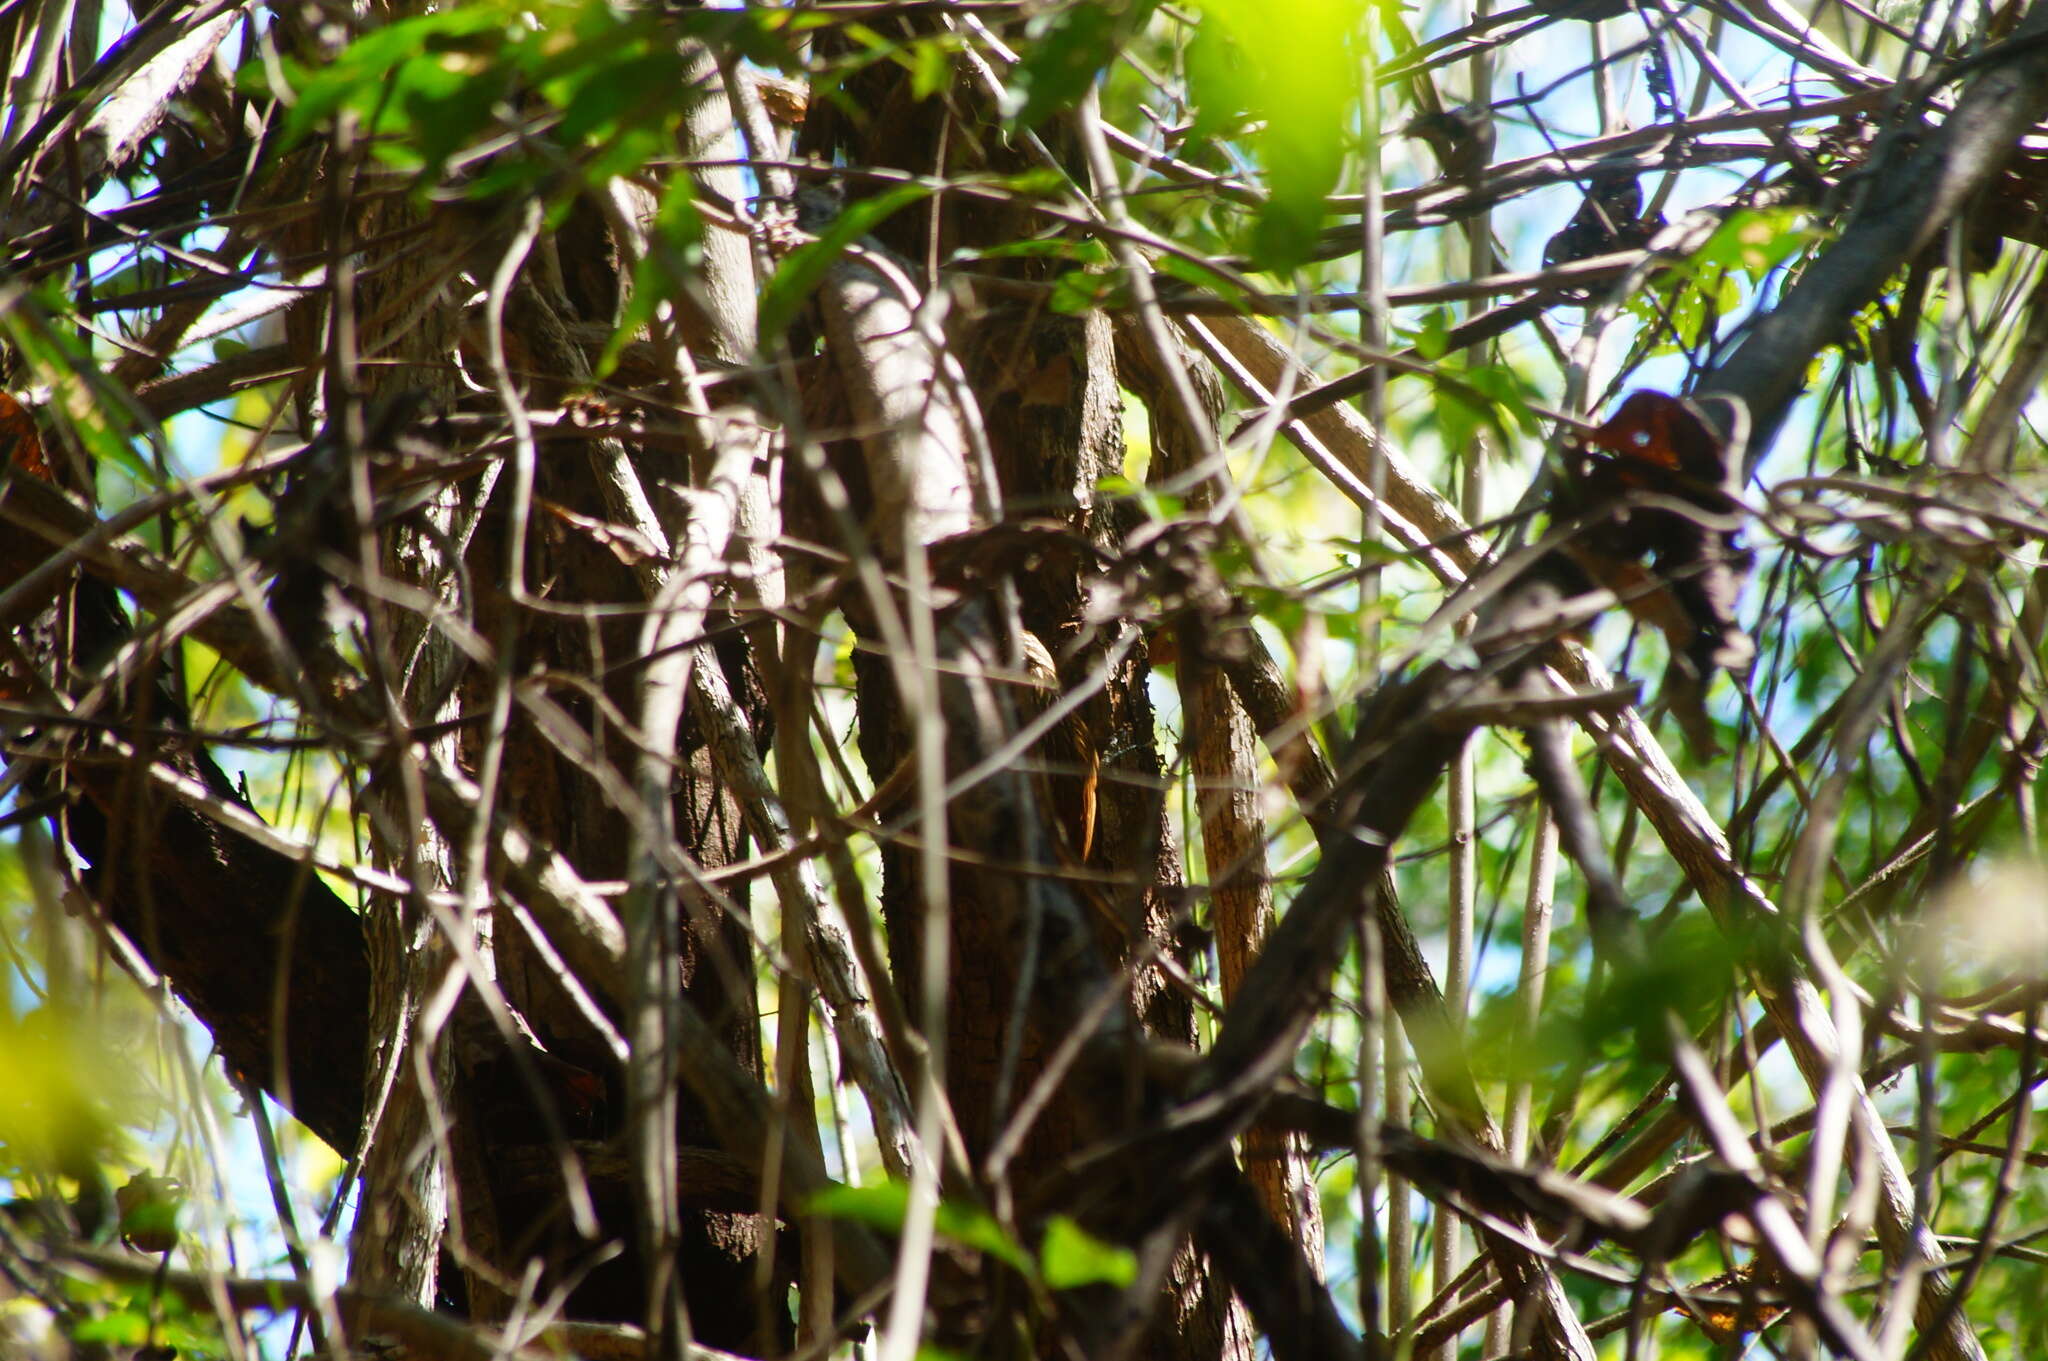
[(24, 448)]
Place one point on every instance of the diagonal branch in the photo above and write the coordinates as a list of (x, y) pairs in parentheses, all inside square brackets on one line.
[(1908, 200)]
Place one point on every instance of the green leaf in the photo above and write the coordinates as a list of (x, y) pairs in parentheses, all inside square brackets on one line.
[(1433, 341), (445, 99), (1029, 183), (1221, 97), (800, 273), (1084, 290), (619, 92), (881, 1206), (1292, 66), (54, 355), (1371, 552), (765, 35), (428, 88), (1087, 251), (1070, 1257), (674, 246), (67, 1081), (1065, 50), (887, 1205), (978, 1229), (1199, 276), (362, 75), (1508, 395), (121, 1327), (1689, 971), (931, 68), (1756, 240)]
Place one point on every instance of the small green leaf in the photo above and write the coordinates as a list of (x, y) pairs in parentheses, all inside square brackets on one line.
[(799, 275), (1200, 276), (762, 34), (1161, 505), (931, 68), (882, 1206), (620, 91), (1066, 49), (1086, 251), (362, 75), (1433, 341), (675, 242), (121, 1327), (886, 1206), (978, 1229), (1756, 240), (1371, 552), (1507, 394), (1070, 1257), (1084, 290), (1028, 183)]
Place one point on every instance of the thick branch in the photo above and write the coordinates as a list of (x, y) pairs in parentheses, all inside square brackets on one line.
[(1908, 201)]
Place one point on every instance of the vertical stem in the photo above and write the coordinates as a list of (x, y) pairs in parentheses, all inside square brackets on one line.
[(1461, 815), (1603, 79), (1460, 792), (797, 1096), (29, 96), (1373, 1024), (1376, 1027), (1536, 919), (904, 1327), (1400, 1227)]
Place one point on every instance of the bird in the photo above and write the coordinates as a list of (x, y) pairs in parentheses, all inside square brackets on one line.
[(1609, 218), (1461, 139), (1649, 500)]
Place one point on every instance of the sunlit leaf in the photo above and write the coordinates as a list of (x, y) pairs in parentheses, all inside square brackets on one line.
[(1067, 47), (1070, 1257), (675, 243), (1086, 251), (887, 1205), (1083, 290), (1291, 67), (799, 275), (362, 76), (1434, 339), (1755, 240)]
